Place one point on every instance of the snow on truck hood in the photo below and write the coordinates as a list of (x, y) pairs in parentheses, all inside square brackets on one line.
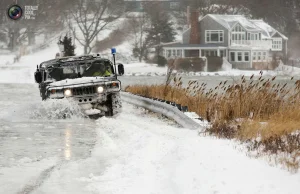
[(83, 80)]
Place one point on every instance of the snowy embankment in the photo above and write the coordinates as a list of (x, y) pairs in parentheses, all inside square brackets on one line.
[(143, 154), (137, 69), (23, 71)]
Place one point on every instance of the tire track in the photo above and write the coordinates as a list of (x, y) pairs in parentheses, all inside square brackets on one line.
[(29, 188)]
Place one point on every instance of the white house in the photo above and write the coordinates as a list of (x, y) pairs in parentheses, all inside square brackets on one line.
[(244, 42)]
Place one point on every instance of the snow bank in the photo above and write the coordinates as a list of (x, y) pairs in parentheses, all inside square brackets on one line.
[(289, 70), (23, 71), (226, 66), (144, 69), (148, 157), (6, 60)]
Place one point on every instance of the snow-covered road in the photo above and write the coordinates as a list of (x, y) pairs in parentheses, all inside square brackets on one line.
[(135, 152), (33, 140)]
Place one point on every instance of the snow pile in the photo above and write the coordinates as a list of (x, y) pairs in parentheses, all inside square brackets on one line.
[(203, 123), (226, 66), (288, 70), (135, 69), (6, 60), (23, 71)]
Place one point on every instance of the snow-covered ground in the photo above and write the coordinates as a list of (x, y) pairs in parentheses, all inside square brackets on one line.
[(23, 71), (138, 153), (133, 152)]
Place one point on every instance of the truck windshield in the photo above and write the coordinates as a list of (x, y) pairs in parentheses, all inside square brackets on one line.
[(73, 70)]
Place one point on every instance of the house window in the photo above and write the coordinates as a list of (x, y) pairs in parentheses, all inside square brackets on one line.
[(221, 37), (277, 44), (214, 53), (253, 36), (239, 56), (264, 57), (214, 36), (254, 56), (238, 34), (238, 28), (202, 53), (259, 56), (207, 53), (174, 53), (178, 53), (222, 53), (232, 56), (141, 6), (174, 5), (169, 53), (246, 56)]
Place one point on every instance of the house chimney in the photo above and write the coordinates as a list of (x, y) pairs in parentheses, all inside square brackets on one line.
[(188, 16), (195, 27)]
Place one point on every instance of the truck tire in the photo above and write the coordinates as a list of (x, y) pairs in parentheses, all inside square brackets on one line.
[(113, 104), (43, 92)]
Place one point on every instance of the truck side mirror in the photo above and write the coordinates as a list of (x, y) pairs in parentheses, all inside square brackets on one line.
[(38, 77), (121, 69)]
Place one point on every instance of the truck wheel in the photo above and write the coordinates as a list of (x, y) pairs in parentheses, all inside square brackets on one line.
[(113, 104), (109, 105), (43, 93)]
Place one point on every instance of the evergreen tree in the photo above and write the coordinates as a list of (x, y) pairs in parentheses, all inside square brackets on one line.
[(161, 28), (69, 48)]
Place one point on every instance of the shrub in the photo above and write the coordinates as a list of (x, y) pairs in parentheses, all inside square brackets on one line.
[(188, 64), (260, 112), (161, 61)]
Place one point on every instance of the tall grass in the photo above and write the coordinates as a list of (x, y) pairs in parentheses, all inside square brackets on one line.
[(259, 111)]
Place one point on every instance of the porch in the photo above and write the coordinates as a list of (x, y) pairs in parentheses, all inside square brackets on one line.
[(194, 51)]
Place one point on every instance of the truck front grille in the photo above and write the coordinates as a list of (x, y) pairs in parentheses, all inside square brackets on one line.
[(83, 91)]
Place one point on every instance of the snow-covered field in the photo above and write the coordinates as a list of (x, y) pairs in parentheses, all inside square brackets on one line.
[(134, 152)]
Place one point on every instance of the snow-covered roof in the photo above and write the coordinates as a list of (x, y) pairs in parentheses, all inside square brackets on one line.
[(267, 30), (229, 21)]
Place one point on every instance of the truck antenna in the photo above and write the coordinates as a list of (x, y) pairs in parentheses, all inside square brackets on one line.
[(113, 52)]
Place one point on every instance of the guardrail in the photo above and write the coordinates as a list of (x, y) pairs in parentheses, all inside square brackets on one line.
[(165, 109)]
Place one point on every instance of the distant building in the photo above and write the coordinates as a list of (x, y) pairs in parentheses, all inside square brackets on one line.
[(245, 43)]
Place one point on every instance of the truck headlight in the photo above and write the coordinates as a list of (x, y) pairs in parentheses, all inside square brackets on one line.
[(100, 89), (68, 92)]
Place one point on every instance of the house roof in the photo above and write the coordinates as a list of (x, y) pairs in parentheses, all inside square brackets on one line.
[(229, 21), (268, 30)]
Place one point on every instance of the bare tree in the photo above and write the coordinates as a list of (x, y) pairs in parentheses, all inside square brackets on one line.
[(92, 17), (24, 31), (139, 25)]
